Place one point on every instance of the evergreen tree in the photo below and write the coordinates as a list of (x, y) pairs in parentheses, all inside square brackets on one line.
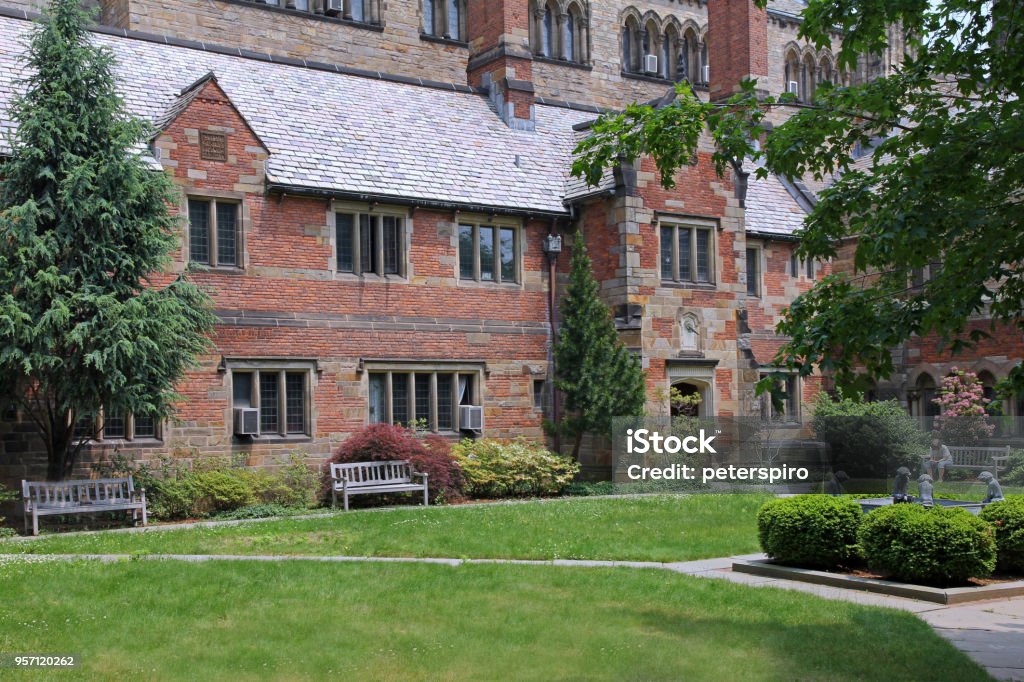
[(84, 223), (598, 377)]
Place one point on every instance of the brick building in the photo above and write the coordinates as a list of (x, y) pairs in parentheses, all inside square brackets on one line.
[(367, 187)]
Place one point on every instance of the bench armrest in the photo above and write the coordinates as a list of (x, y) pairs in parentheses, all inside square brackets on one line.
[(1000, 458), (421, 475)]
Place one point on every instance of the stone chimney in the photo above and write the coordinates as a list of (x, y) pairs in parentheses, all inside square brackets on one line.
[(737, 45), (500, 58)]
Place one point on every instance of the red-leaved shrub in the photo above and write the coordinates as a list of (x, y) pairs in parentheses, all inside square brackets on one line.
[(430, 455)]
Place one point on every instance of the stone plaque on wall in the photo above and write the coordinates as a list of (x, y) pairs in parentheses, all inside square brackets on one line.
[(213, 146)]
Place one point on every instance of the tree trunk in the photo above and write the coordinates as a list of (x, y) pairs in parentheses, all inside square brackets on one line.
[(576, 446), (59, 451)]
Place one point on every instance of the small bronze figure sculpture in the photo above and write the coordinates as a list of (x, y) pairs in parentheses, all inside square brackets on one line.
[(899, 492), (834, 486)]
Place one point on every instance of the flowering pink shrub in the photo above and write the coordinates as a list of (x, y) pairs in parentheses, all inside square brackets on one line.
[(964, 420)]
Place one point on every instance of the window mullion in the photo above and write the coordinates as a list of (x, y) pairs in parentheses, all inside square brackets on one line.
[(377, 223), (357, 244), (675, 253), (692, 234), (255, 399), (433, 401), (214, 256), (282, 404), (389, 407), (476, 251)]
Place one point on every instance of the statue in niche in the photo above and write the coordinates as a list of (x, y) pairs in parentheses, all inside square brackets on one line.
[(925, 489), (994, 493), (690, 334)]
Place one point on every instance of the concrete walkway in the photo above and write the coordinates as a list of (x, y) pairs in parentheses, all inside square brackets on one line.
[(991, 633)]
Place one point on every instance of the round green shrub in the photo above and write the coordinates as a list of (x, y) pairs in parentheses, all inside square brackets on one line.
[(935, 546), (1007, 518), (815, 531), (517, 468)]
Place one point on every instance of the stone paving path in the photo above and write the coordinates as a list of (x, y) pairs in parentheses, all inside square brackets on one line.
[(991, 633)]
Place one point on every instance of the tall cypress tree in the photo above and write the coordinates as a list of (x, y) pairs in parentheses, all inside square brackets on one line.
[(84, 223), (598, 377)]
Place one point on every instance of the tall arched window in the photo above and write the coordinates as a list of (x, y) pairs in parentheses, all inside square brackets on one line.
[(444, 18), (569, 37), (809, 79), (651, 42), (547, 32), (578, 50), (454, 25), (632, 45), (689, 56), (825, 70), (669, 60), (792, 79), (705, 68)]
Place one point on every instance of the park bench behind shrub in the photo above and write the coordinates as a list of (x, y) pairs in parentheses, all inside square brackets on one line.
[(979, 458), (361, 478), (81, 497)]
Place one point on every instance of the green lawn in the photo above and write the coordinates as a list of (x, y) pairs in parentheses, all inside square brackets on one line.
[(241, 620), (660, 528)]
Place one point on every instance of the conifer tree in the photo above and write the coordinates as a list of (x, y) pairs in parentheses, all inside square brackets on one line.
[(598, 377), (84, 224)]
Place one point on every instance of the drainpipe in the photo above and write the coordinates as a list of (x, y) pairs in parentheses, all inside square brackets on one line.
[(552, 247)]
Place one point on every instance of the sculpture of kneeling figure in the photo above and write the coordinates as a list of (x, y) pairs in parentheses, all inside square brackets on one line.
[(994, 493), (899, 491)]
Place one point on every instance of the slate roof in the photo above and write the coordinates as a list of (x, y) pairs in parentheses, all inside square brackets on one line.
[(340, 132), (772, 210)]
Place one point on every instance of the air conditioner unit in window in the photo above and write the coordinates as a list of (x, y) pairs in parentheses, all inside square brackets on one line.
[(651, 63), (793, 88), (471, 418), (333, 7), (247, 421), (705, 74)]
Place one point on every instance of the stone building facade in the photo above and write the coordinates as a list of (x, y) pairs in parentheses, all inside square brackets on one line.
[(367, 187)]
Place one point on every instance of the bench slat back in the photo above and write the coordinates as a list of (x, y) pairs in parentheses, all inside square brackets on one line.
[(975, 456), (368, 474), (98, 491)]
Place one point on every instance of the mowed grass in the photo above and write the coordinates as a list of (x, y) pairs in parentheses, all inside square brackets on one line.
[(659, 528), (295, 620)]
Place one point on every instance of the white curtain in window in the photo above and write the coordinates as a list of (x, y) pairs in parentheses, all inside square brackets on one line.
[(357, 10), (378, 398)]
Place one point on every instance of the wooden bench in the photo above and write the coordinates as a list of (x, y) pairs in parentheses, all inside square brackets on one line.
[(81, 497), (969, 457), (363, 478)]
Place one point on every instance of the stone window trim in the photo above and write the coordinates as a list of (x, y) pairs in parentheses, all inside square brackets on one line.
[(500, 227), (687, 274), (792, 403), (129, 433), (428, 38), (242, 220), (680, 46), (316, 14), (408, 375), (376, 214), (281, 371), (755, 284)]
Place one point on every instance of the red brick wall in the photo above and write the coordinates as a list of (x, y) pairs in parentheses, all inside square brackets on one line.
[(737, 44)]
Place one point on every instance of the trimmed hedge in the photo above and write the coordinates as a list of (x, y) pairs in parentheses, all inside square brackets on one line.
[(516, 468), (936, 546), (1007, 518), (815, 531)]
